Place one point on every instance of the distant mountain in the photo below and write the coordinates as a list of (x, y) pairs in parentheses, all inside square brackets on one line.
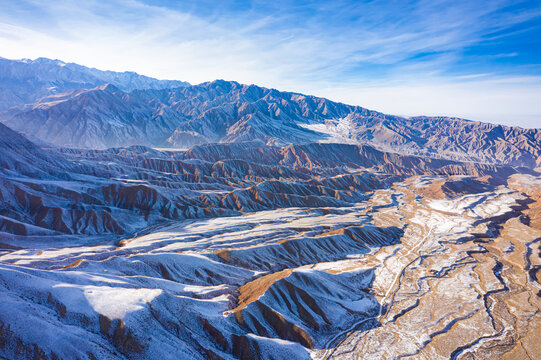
[(101, 117), (219, 111), (157, 114), (25, 81)]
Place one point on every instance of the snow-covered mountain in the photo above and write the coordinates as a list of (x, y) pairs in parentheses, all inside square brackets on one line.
[(164, 114), (25, 81)]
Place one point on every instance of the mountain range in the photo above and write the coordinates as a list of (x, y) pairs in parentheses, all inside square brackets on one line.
[(68, 105)]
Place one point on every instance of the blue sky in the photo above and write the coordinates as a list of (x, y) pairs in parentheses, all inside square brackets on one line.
[(475, 59)]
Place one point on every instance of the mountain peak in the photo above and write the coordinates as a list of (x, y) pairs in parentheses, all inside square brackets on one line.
[(44, 77), (43, 60), (108, 87)]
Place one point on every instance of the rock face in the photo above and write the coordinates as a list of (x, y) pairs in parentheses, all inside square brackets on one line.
[(84, 112)]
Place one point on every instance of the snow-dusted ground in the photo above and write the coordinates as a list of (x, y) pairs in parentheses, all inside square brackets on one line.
[(336, 130), (296, 281)]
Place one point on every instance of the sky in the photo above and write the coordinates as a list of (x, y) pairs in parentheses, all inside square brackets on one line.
[(475, 59)]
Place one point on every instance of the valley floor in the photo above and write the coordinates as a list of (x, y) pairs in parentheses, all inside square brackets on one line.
[(408, 273)]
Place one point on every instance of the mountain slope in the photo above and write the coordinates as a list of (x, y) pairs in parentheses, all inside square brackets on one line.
[(451, 138), (101, 117), (398, 274)]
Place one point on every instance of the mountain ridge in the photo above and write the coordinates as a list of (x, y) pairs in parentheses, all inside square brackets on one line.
[(119, 191)]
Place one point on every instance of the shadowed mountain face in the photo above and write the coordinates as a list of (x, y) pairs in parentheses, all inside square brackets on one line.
[(137, 110), (282, 226)]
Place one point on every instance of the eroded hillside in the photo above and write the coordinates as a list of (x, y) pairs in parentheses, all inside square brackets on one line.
[(408, 271), (253, 251)]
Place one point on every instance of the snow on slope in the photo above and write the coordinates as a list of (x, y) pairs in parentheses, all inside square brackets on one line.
[(25, 81), (338, 130), (127, 190), (225, 287)]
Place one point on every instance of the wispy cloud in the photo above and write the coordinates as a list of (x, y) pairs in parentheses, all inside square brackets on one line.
[(304, 46)]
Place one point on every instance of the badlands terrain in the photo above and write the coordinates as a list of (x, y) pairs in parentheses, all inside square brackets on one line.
[(144, 219)]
